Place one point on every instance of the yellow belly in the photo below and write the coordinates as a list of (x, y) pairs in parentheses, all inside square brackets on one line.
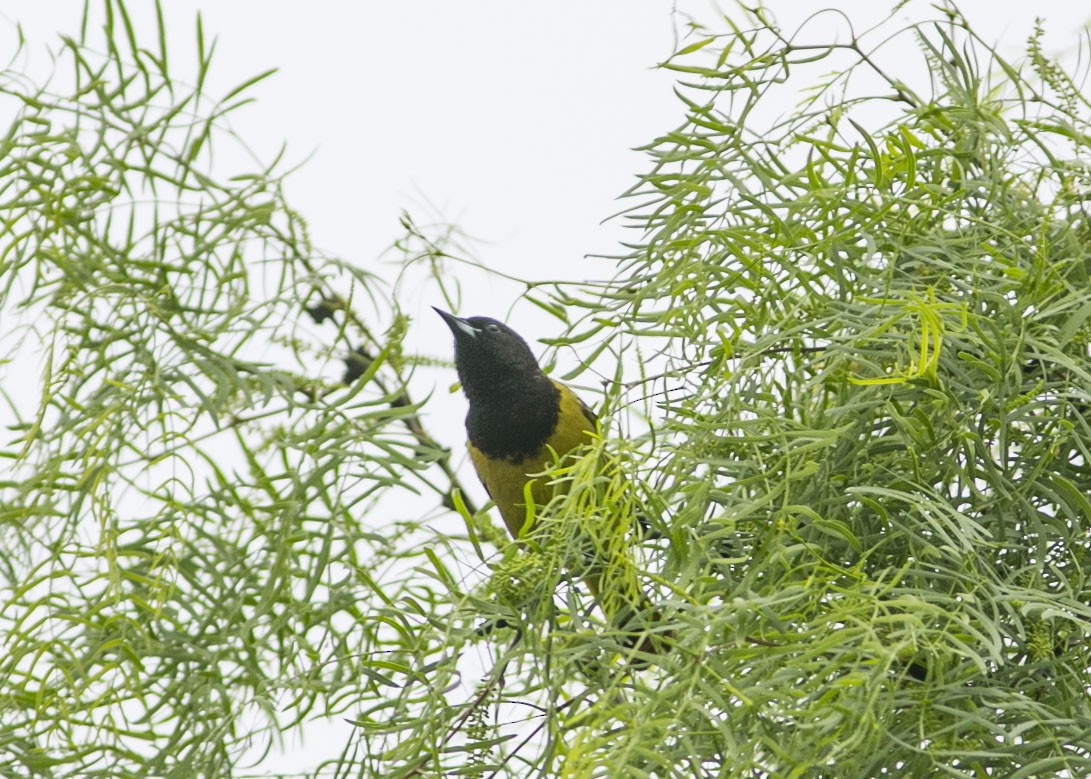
[(506, 480)]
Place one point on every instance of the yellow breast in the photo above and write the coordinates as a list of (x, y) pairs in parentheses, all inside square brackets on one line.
[(506, 480)]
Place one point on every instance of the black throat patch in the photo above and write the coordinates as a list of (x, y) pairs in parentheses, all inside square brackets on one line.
[(514, 422)]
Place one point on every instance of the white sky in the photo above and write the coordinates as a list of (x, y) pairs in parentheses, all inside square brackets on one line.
[(516, 119)]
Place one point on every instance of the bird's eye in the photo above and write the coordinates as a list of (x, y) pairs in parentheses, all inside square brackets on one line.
[(493, 328)]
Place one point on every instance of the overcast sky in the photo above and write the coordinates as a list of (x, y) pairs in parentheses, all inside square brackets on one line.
[(516, 119)]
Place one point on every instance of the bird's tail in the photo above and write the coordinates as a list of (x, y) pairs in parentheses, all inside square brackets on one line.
[(628, 609), (598, 513)]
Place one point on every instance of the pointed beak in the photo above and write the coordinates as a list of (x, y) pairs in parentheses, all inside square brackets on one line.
[(460, 327)]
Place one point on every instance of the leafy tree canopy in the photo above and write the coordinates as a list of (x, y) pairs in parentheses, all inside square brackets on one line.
[(847, 415)]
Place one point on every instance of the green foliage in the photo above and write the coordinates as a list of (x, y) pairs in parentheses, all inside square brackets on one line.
[(859, 442), (188, 560), (873, 422)]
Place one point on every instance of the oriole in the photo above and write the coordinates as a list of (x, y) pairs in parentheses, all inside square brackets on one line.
[(519, 422)]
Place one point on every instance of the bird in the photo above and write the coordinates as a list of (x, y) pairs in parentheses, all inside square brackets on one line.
[(519, 423)]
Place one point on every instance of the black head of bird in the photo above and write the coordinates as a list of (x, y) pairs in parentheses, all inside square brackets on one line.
[(514, 406), (491, 358)]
